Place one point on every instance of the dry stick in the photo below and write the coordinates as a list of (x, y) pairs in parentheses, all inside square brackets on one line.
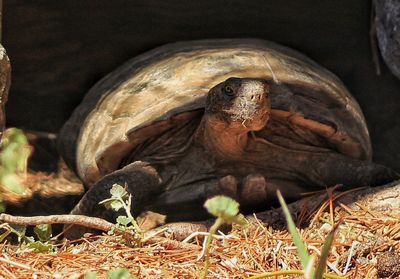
[(80, 220), (19, 265), (89, 222), (172, 244)]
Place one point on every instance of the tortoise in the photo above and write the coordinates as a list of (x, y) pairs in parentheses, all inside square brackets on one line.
[(239, 117)]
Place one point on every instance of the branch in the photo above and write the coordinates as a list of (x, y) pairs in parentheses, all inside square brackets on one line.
[(80, 220), (90, 222)]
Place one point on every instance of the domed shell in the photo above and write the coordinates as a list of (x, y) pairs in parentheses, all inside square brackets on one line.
[(151, 92)]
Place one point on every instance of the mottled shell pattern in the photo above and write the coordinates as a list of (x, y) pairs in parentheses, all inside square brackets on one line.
[(156, 88)]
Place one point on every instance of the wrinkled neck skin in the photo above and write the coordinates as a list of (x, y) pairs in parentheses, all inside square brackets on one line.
[(224, 141), (233, 109)]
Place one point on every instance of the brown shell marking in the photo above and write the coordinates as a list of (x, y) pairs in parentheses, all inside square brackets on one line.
[(175, 78)]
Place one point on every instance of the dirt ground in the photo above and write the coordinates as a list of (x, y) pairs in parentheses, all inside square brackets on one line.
[(365, 244)]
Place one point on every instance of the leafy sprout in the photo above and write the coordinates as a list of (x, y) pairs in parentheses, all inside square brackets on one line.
[(227, 212), (43, 233), (120, 199), (14, 155)]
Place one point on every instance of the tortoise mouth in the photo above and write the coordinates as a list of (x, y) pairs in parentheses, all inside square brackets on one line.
[(248, 113), (244, 108)]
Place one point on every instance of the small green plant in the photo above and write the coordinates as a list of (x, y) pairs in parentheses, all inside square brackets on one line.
[(116, 273), (310, 271), (43, 233), (14, 154), (227, 212), (121, 200)]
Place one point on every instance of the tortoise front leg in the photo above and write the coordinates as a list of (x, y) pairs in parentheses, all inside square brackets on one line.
[(186, 202), (258, 192), (142, 182)]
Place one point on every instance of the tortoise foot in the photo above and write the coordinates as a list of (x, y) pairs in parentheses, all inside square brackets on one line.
[(253, 190)]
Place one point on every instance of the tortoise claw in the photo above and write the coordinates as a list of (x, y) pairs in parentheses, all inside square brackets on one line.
[(254, 189), (227, 185)]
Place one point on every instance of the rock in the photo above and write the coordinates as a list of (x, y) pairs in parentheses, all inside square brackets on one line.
[(387, 22), (5, 79), (388, 265)]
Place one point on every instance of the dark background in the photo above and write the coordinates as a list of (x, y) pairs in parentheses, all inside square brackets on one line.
[(59, 49)]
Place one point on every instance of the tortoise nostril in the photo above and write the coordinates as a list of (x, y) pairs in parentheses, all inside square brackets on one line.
[(256, 97)]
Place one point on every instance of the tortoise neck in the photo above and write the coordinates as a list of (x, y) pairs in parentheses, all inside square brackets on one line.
[(221, 139)]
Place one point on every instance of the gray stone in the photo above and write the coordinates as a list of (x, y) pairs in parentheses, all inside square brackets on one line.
[(387, 22)]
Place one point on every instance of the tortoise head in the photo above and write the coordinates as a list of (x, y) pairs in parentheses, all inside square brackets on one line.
[(240, 103)]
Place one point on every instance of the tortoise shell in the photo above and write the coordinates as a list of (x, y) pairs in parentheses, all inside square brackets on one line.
[(156, 90)]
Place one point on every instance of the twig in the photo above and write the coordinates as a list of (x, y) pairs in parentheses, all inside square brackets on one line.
[(171, 244), (80, 220), (205, 234), (23, 266), (89, 222), (351, 251)]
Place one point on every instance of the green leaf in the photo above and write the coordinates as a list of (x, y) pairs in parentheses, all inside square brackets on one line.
[(4, 235), (123, 220), (40, 247), (116, 205), (119, 273), (13, 183), (26, 239), (13, 160), (90, 275), (22, 159), (107, 202), (301, 248), (309, 270), (240, 220), (112, 230), (223, 207), (117, 191), (324, 254), (43, 232), (112, 203), (19, 230), (15, 151)]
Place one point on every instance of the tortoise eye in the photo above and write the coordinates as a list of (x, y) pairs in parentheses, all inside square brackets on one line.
[(228, 90)]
